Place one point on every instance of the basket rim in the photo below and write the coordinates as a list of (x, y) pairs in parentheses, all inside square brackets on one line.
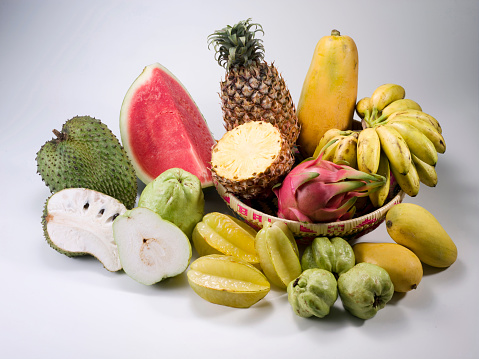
[(257, 218)]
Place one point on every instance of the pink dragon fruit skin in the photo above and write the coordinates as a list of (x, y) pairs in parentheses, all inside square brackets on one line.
[(322, 191)]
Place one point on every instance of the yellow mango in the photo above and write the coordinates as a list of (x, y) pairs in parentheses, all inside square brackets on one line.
[(328, 96), (402, 265), (417, 229)]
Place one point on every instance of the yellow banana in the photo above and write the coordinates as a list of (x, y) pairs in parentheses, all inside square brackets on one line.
[(418, 143), (383, 96), (346, 152), (362, 108), (369, 150), (329, 152), (419, 115), (409, 183), (427, 173), (395, 148), (379, 195), (398, 105), (328, 136), (429, 130)]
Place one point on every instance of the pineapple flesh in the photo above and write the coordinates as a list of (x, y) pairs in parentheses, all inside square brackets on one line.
[(251, 158), (252, 90)]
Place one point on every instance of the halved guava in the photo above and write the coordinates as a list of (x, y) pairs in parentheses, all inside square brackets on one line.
[(150, 247), (78, 221), (161, 127)]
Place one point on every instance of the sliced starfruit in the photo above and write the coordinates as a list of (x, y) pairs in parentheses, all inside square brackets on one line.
[(278, 253), (226, 280), (218, 233)]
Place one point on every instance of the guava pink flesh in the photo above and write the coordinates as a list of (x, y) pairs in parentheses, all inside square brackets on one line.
[(168, 129)]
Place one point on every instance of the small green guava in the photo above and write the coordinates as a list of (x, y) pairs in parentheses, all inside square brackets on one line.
[(335, 255), (313, 293), (365, 289), (176, 195)]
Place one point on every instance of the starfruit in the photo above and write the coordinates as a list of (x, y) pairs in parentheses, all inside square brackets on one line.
[(226, 280), (219, 233), (278, 253)]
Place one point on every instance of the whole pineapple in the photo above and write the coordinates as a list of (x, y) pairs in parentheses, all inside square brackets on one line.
[(253, 90)]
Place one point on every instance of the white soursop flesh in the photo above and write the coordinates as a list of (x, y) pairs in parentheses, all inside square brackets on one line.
[(78, 221)]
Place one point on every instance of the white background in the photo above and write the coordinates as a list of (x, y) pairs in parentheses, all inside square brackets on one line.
[(60, 59)]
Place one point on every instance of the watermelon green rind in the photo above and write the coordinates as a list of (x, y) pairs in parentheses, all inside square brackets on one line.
[(162, 127)]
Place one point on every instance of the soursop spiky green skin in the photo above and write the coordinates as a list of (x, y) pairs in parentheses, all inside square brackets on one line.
[(86, 154)]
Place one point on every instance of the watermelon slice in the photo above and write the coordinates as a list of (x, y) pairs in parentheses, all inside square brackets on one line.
[(161, 127)]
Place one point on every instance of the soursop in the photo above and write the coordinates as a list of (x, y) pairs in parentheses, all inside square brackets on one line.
[(79, 221), (86, 154)]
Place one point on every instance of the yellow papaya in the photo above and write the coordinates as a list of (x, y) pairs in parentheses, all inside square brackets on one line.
[(402, 265), (416, 228), (329, 93)]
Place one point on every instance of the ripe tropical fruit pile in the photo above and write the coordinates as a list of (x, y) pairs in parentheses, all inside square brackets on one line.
[(334, 166), (399, 143), (310, 161), (238, 265), (93, 180)]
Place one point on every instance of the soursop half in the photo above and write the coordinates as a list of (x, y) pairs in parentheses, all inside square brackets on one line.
[(79, 221), (86, 154)]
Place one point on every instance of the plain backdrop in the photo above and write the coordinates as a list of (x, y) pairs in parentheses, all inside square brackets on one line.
[(59, 59)]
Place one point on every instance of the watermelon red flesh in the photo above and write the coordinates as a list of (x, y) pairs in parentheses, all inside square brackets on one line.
[(164, 127)]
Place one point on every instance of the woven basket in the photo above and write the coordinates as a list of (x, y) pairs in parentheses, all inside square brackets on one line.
[(305, 232)]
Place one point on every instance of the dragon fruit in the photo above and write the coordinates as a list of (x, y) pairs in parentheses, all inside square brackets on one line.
[(317, 190)]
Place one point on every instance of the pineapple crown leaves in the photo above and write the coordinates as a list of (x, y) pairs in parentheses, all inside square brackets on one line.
[(237, 45)]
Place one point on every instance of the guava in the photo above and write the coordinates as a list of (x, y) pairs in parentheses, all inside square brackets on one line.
[(176, 195), (150, 248), (335, 255), (313, 293), (365, 289)]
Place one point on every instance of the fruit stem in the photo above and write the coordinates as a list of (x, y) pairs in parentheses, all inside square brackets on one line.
[(60, 135), (335, 32), (380, 119), (372, 119)]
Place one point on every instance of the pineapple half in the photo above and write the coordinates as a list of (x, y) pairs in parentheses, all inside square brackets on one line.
[(251, 158), (252, 90)]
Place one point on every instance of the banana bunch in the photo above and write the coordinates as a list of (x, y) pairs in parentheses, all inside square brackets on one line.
[(343, 151), (399, 138)]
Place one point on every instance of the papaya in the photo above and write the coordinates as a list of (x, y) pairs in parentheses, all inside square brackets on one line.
[(402, 265), (329, 93), (416, 228)]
